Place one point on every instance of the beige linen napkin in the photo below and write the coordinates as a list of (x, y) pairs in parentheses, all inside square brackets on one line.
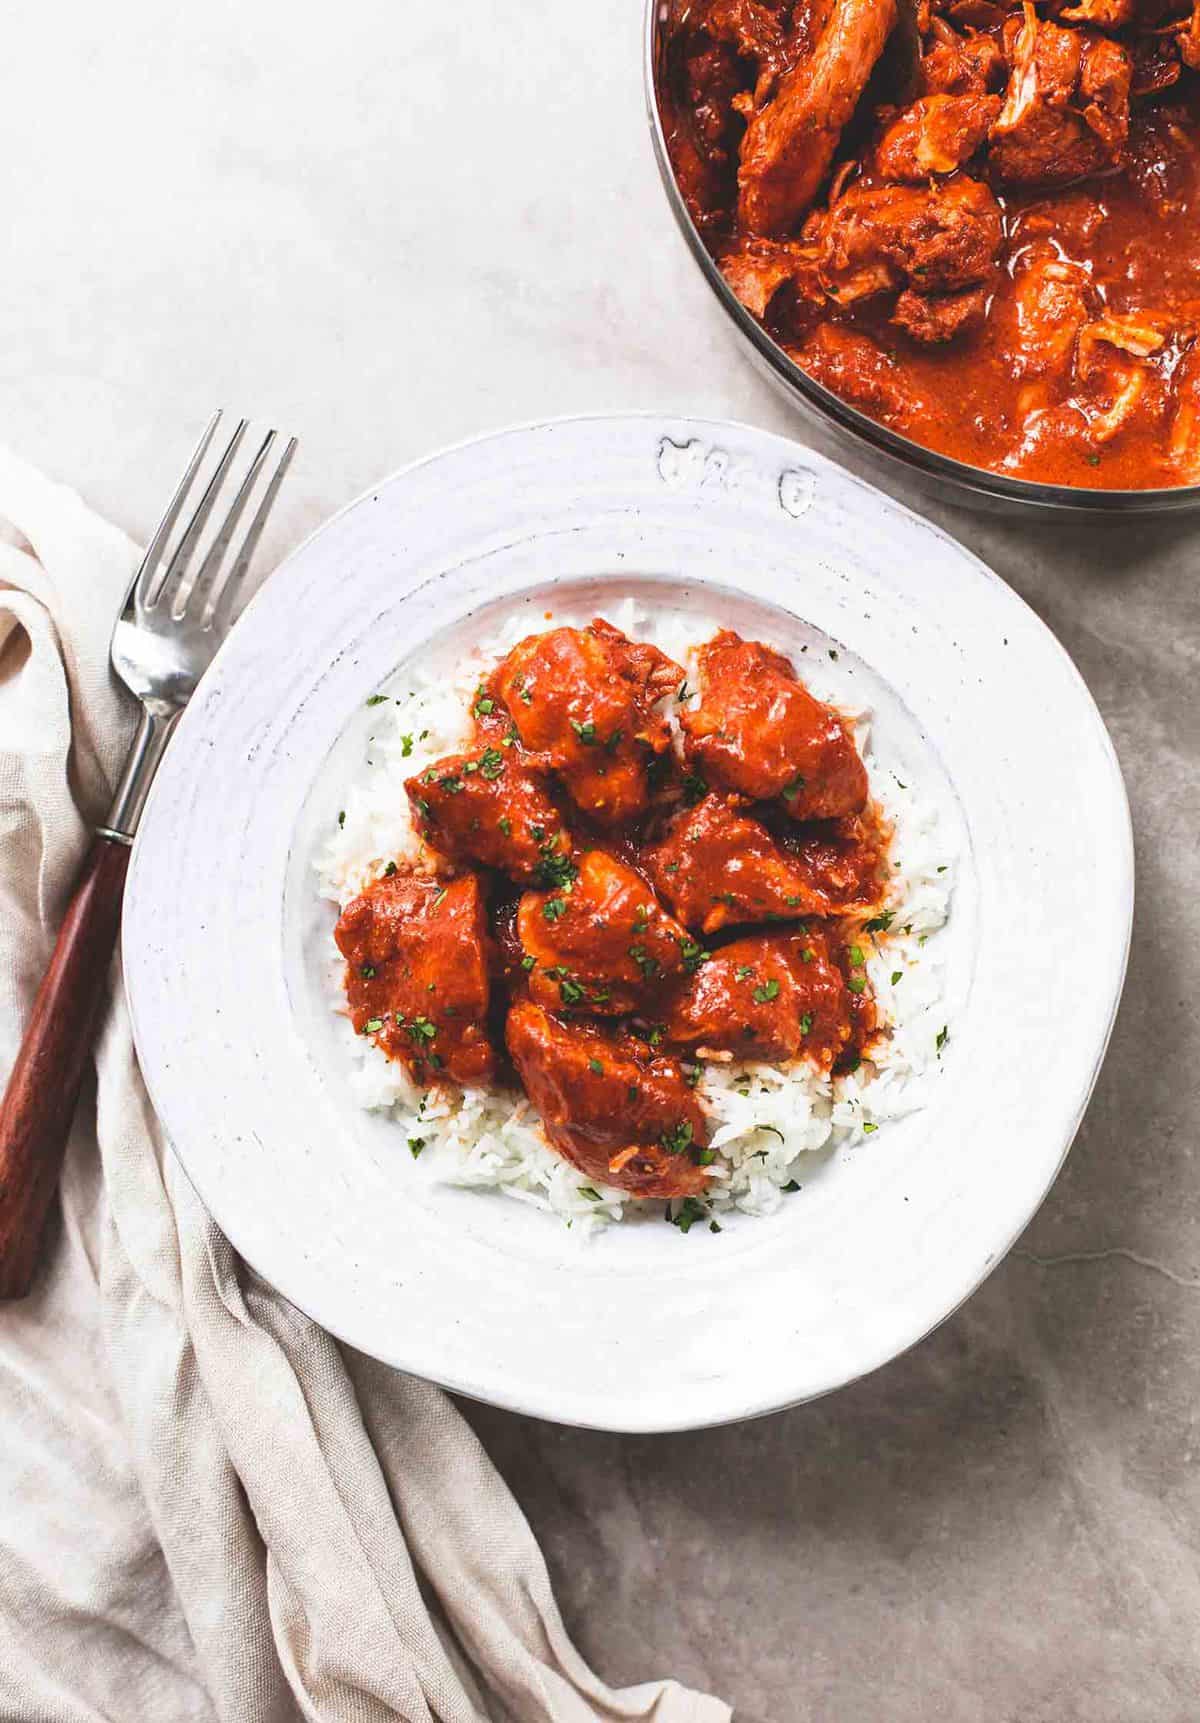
[(208, 1509)]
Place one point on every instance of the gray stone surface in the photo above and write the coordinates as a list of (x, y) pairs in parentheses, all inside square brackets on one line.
[(396, 226)]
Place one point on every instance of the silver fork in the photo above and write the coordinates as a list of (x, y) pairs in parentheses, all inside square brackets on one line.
[(179, 608)]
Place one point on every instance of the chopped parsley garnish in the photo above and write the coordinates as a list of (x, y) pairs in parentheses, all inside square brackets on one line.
[(451, 784), (372, 1026), (857, 956), (631, 1092), (943, 1037), (527, 963), (694, 788), (416, 1144), (868, 1128), (693, 955), (367, 971), (649, 966), (390, 869), (806, 1023), (743, 970), (792, 790), (713, 1227), (593, 1196), (774, 1130), (684, 693), (421, 1030), (852, 1066), (586, 731), (692, 1075), (857, 984), (689, 1213), (655, 1034), (342, 818), (570, 991), (596, 1066), (642, 920), (678, 1139), (505, 825), (555, 868), (807, 955), (765, 992), (791, 901), (833, 654), (406, 747), (614, 741), (706, 1157), (942, 869), (526, 697), (491, 763), (897, 975), (554, 907), (791, 1186), (483, 703), (880, 923), (441, 894), (376, 699)]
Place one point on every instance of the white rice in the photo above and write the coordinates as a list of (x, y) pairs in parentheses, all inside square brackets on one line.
[(764, 1118)]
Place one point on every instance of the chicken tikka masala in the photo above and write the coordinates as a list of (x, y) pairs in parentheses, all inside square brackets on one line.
[(630, 877), (975, 220)]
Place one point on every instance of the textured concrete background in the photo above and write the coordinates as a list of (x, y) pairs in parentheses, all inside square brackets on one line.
[(394, 226)]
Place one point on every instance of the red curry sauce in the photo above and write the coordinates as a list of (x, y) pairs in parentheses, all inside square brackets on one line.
[(984, 233)]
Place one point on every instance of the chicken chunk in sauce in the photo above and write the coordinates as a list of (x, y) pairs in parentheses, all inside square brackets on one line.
[(618, 1111), (936, 135), (1066, 110), (843, 862), (936, 247), (582, 701), (718, 867), (790, 143), (759, 732), (601, 943), (491, 807), (771, 996), (417, 974)]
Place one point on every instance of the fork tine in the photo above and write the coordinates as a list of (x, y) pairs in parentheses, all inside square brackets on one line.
[(206, 575), (148, 567), (225, 597), (176, 570)]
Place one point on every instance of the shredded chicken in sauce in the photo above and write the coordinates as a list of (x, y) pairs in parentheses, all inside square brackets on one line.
[(631, 877), (975, 220)]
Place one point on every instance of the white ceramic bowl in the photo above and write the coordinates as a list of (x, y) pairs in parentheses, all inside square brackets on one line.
[(226, 942)]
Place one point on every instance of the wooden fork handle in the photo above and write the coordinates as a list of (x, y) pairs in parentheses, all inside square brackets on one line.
[(43, 1086)]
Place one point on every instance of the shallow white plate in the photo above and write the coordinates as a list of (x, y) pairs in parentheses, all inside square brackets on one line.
[(226, 943)]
